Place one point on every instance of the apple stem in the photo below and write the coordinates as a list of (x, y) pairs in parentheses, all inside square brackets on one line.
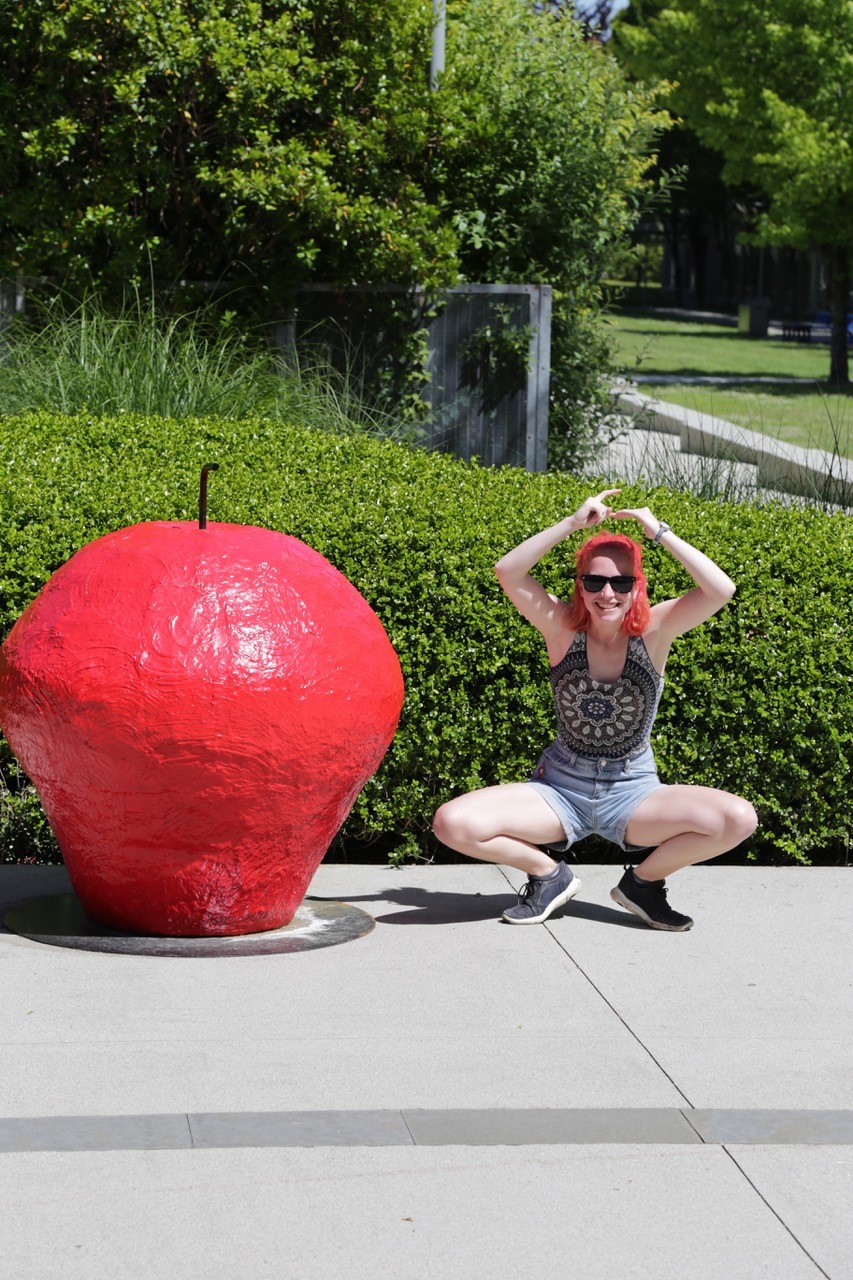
[(202, 493)]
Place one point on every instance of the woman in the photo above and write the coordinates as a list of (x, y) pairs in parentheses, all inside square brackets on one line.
[(607, 649)]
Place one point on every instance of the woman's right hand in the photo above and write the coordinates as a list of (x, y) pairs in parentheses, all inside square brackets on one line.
[(594, 510)]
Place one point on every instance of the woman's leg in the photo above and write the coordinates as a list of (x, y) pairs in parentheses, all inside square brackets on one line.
[(687, 825), (502, 824)]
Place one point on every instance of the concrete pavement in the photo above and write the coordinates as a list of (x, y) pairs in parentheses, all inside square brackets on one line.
[(587, 1097)]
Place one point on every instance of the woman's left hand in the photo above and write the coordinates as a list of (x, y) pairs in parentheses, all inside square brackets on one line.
[(649, 522)]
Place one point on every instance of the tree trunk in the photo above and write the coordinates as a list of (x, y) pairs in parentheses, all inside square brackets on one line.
[(672, 232), (838, 283), (697, 231)]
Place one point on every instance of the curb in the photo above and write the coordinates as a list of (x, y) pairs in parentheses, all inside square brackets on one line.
[(809, 473)]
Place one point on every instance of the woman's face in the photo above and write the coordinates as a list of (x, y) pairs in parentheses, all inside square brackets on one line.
[(608, 605)]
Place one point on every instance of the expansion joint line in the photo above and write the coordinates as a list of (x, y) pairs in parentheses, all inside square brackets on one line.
[(625, 1024), (612, 1008), (776, 1214)]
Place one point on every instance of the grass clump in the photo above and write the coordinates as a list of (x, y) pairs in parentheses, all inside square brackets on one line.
[(144, 360)]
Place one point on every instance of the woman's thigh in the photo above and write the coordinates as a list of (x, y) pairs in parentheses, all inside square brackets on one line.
[(513, 809), (674, 811)]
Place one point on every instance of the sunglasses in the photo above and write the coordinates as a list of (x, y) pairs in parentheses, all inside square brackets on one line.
[(595, 582)]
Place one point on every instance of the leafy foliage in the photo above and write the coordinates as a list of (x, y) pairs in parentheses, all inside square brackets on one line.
[(758, 701), (547, 157), (281, 143), (207, 138), (768, 84)]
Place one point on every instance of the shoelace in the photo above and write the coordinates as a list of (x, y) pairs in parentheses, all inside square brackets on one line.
[(525, 892), (528, 889)]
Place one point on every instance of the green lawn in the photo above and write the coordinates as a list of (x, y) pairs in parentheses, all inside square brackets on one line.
[(814, 416), (806, 419)]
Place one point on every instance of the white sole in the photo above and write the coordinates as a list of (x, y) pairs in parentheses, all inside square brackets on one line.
[(560, 901), (618, 896)]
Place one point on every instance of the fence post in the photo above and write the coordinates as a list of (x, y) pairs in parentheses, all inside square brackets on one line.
[(538, 378)]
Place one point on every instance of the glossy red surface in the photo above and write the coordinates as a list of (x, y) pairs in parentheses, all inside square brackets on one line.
[(198, 710)]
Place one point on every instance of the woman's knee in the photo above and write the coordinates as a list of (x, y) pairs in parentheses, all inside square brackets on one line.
[(453, 824), (466, 821), (728, 817), (442, 822), (741, 819)]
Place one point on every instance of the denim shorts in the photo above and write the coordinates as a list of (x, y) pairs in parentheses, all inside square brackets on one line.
[(594, 797)]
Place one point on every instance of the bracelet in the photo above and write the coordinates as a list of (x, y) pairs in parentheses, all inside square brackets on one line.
[(662, 529)]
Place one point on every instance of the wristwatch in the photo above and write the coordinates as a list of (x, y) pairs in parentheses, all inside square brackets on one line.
[(662, 529)]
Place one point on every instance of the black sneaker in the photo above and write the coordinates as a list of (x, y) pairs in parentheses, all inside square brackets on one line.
[(542, 895), (648, 901)]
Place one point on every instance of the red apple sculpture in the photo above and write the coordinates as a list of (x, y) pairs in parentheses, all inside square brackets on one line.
[(198, 708)]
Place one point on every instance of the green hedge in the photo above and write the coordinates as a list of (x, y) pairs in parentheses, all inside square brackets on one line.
[(759, 700)]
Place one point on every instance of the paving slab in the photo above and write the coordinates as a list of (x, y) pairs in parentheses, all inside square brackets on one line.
[(811, 1188), (434, 1008), (751, 1008), (590, 1212), (94, 1133), (431, 1009), (301, 1129), (526, 1127), (788, 1128), (738, 1032)]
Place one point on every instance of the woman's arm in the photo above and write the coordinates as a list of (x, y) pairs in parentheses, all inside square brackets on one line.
[(713, 587), (529, 597)]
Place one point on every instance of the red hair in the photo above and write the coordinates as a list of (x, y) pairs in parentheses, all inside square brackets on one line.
[(637, 618)]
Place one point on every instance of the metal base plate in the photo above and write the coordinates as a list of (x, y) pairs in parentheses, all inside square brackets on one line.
[(60, 921)]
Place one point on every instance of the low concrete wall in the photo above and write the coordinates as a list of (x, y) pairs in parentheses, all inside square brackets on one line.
[(811, 473)]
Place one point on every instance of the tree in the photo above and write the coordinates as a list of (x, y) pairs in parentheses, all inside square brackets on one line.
[(769, 84), (276, 142), (693, 203), (545, 157), (201, 138)]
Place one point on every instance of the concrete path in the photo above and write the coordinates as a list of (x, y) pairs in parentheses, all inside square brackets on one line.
[(445, 1096), (683, 448)]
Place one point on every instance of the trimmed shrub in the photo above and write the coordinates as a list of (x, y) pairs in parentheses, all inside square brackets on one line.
[(759, 700)]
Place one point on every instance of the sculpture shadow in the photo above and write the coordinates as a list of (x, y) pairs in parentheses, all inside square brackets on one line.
[(431, 906), (426, 906), (20, 884)]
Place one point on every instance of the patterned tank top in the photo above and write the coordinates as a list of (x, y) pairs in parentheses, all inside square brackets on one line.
[(599, 719)]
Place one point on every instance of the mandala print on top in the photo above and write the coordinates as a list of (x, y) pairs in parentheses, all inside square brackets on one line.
[(600, 719)]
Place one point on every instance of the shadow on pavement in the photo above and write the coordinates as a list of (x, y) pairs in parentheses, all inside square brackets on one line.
[(428, 906), (434, 907), (21, 883)]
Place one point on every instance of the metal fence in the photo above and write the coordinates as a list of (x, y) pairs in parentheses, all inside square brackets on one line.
[(476, 359), (478, 355)]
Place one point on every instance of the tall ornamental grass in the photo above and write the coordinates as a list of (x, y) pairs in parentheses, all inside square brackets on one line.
[(142, 360)]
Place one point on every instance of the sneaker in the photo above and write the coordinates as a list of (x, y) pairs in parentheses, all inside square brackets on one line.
[(648, 901), (542, 895)]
